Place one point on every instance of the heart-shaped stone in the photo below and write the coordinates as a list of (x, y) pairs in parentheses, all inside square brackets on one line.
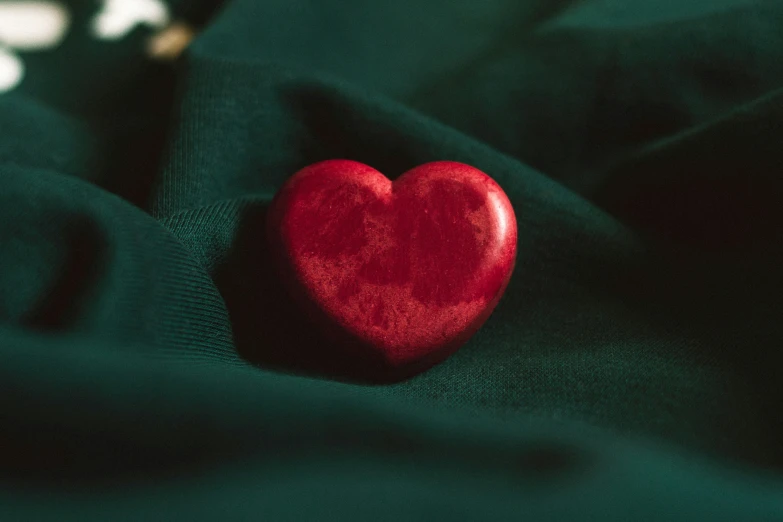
[(401, 272)]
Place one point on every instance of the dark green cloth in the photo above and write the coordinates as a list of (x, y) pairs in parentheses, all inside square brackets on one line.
[(151, 367)]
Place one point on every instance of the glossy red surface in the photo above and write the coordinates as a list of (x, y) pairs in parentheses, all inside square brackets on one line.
[(402, 272)]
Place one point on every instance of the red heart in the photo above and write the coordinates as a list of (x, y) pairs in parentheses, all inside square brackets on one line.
[(402, 272)]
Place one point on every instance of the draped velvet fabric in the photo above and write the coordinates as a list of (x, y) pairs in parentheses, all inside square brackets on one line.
[(152, 368)]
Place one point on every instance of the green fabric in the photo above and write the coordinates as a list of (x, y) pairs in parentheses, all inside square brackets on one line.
[(151, 368)]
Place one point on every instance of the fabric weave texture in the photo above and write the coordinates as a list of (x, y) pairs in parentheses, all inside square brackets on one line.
[(152, 368)]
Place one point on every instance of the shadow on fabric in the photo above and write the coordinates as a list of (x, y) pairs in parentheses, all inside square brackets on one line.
[(270, 329)]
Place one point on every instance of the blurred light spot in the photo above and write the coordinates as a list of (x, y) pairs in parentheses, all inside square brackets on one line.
[(119, 17), (169, 43), (32, 25), (11, 70)]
